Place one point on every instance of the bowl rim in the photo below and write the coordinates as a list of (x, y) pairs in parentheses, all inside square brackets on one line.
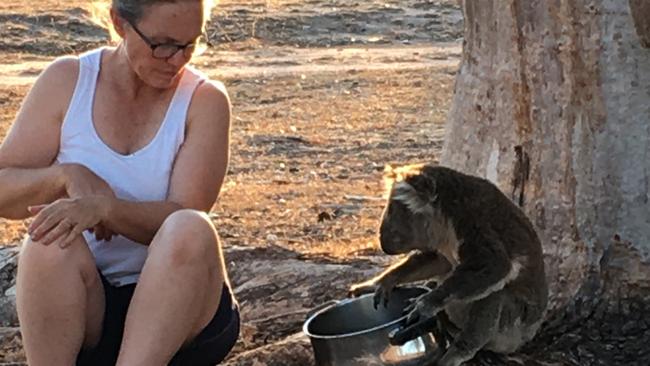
[(305, 326)]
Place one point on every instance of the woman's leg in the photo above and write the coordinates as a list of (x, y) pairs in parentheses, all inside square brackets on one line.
[(60, 301), (178, 291)]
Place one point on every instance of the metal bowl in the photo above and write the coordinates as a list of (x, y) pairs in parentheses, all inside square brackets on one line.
[(352, 332)]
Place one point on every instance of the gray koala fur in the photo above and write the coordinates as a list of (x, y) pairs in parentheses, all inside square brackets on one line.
[(481, 250)]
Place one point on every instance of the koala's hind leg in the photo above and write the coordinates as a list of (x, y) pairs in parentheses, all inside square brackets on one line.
[(513, 330), (481, 327)]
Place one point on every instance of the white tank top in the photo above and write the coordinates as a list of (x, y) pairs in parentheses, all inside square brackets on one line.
[(141, 176)]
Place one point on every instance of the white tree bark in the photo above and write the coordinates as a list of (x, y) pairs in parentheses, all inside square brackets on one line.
[(568, 83)]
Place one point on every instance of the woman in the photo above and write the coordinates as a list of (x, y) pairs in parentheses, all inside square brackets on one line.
[(118, 154)]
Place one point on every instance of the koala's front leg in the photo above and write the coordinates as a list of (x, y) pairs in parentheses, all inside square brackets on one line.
[(485, 272), (417, 266), (480, 329)]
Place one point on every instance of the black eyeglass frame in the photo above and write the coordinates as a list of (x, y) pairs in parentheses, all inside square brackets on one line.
[(191, 46)]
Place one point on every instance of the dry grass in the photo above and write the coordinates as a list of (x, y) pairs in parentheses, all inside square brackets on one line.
[(349, 130)]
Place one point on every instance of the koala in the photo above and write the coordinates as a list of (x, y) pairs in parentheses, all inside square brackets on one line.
[(481, 250)]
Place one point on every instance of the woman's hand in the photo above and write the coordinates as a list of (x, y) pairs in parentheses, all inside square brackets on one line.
[(66, 218), (81, 182)]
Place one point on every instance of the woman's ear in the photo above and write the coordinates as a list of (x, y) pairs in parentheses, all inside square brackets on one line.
[(118, 23)]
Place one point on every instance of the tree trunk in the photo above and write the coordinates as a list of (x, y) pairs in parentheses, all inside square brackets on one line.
[(552, 103), (641, 15)]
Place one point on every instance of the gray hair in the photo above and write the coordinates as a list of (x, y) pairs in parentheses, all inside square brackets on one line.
[(133, 10)]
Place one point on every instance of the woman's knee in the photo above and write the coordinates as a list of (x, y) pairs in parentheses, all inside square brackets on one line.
[(187, 236), (50, 258)]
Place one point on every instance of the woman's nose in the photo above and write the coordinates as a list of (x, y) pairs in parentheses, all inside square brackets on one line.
[(178, 59)]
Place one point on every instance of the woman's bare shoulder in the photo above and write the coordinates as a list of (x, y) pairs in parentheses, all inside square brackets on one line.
[(60, 73), (68, 63), (210, 102), (212, 91), (33, 138), (54, 87)]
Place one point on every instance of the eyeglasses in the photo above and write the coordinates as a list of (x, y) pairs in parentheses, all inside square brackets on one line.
[(165, 51)]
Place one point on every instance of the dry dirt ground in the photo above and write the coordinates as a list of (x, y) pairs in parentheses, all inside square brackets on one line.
[(325, 93)]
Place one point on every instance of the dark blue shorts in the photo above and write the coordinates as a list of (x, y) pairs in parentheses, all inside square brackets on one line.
[(209, 348)]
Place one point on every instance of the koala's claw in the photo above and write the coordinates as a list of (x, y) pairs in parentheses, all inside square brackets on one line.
[(382, 295), (420, 307), (413, 303), (413, 316), (382, 291), (410, 305)]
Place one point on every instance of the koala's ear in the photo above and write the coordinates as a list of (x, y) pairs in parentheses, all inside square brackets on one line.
[(425, 186)]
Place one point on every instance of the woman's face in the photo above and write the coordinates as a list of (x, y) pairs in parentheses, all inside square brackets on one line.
[(176, 23)]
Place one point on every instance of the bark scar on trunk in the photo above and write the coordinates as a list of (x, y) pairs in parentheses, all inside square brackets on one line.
[(520, 175)]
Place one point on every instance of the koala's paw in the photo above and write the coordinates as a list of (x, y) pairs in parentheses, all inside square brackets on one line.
[(382, 291), (403, 335), (382, 294), (422, 307), (361, 288)]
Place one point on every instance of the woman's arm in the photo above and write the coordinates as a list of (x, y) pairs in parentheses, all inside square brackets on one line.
[(195, 183), (20, 188), (27, 153)]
